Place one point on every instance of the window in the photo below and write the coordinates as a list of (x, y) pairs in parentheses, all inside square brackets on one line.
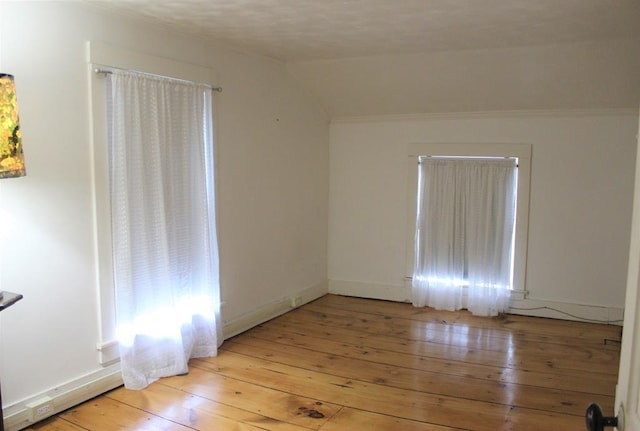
[(165, 255), (464, 233), (448, 223), (103, 55)]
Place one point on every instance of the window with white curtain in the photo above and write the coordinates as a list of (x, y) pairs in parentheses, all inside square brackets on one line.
[(104, 56), (464, 233), (468, 224), (164, 245)]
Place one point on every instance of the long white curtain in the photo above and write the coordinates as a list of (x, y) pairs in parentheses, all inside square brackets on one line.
[(464, 234), (163, 225)]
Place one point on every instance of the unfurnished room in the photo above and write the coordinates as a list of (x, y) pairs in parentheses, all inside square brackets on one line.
[(329, 215)]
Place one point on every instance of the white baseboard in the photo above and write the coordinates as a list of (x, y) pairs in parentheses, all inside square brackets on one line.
[(18, 416), (518, 304), (371, 290), (108, 352), (273, 309), (567, 311)]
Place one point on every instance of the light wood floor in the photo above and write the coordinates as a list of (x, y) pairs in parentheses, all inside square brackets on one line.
[(343, 363)]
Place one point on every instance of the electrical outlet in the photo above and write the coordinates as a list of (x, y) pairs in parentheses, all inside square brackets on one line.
[(41, 408)]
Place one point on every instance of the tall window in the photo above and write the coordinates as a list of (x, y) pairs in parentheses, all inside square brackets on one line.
[(465, 230), (165, 256)]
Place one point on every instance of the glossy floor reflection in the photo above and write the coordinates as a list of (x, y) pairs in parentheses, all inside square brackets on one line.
[(344, 363)]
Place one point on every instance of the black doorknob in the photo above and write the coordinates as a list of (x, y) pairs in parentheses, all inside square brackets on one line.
[(595, 420)]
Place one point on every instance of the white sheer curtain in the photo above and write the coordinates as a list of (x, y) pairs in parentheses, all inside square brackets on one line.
[(464, 234), (163, 224)]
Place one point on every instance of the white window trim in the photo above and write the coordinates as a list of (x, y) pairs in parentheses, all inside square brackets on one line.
[(103, 56), (522, 152)]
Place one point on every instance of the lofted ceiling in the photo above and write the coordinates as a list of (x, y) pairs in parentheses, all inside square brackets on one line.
[(372, 57)]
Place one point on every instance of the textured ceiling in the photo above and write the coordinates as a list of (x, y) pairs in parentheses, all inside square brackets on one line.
[(298, 30)]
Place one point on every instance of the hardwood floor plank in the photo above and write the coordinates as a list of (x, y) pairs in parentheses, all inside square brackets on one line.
[(351, 419), (55, 424), (344, 363), (436, 357), (471, 341), (411, 405), (197, 412), (104, 413), (258, 398), (564, 329), (417, 380)]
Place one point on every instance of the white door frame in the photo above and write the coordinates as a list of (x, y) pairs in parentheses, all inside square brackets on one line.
[(628, 389)]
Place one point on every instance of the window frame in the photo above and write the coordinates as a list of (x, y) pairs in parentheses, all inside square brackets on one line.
[(104, 56), (520, 151)]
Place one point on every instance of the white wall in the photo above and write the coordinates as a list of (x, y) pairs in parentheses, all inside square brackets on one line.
[(273, 178), (272, 151), (580, 207), (587, 75)]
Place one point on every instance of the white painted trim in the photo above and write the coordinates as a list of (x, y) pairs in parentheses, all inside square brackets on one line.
[(358, 289), (567, 311), (520, 150), (17, 416), (628, 387), (485, 115), (108, 352), (518, 295), (100, 54), (273, 309), (527, 307)]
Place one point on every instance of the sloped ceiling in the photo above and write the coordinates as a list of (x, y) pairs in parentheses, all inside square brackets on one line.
[(380, 57)]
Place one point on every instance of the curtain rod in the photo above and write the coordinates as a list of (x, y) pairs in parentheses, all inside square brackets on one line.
[(473, 158), (429, 156), (108, 72)]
